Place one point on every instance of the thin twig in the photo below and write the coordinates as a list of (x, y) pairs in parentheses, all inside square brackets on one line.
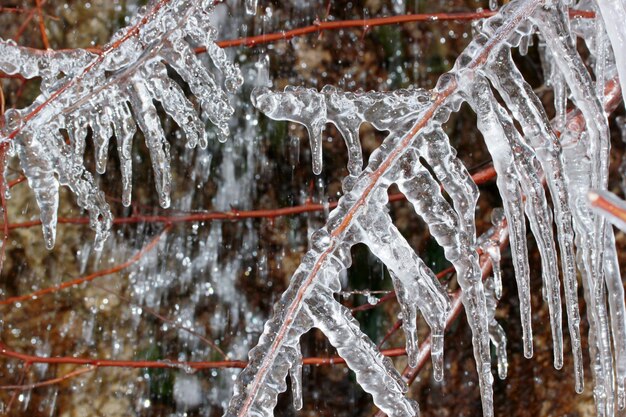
[(481, 177), (161, 317), (47, 382), (109, 271), (42, 25)]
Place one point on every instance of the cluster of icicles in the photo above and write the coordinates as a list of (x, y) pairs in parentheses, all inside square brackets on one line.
[(113, 92), (571, 165)]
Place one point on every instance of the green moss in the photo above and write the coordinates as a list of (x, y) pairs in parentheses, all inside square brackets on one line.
[(161, 381)]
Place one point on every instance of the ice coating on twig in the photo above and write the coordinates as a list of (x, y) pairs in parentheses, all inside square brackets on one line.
[(610, 206), (346, 110), (416, 285), (361, 208), (317, 279), (586, 150), (112, 93), (614, 15)]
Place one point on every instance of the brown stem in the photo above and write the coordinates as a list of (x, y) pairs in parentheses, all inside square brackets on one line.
[(87, 278), (481, 177)]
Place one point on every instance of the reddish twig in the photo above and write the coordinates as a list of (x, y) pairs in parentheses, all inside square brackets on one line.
[(481, 177), (36, 294), (164, 319), (42, 25), (52, 381), (366, 24), (166, 363), (396, 326), (16, 181), (24, 25)]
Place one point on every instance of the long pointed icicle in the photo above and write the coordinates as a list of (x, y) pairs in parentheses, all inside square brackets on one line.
[(526, 108), (374, 372), (38, 169), (445, 225), (416, 285), (155, 140), (501, 125), (511, 194), (554, 25)]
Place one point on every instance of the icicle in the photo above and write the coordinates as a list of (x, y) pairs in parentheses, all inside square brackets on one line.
[(511, 194), (148, 121), (39, 171), (617, 309), (460, 250), (124, 127), (251, 6), (416, 285), (295, 375), (496, 332), (374, 372), (424, 193), (554, 26), (527, 109), (174, 102), (435, 148), (347, 111), (299, 105), (102, 132), (614, 15), (202, 84)]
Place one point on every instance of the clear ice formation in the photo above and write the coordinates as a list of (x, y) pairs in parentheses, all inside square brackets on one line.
[(489, 243), (614, 213), (113, 93), (568, 155)]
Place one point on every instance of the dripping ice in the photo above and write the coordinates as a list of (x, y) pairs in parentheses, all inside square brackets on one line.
[(525, 158), (116, 93), (527, 149)]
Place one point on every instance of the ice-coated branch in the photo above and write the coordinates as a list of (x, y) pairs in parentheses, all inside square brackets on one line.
[(112, 93), (359, 209)]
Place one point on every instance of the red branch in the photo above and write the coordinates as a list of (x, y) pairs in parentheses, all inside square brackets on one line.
[(52, 381), (318, 27), (90, 277), (479, 177)]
